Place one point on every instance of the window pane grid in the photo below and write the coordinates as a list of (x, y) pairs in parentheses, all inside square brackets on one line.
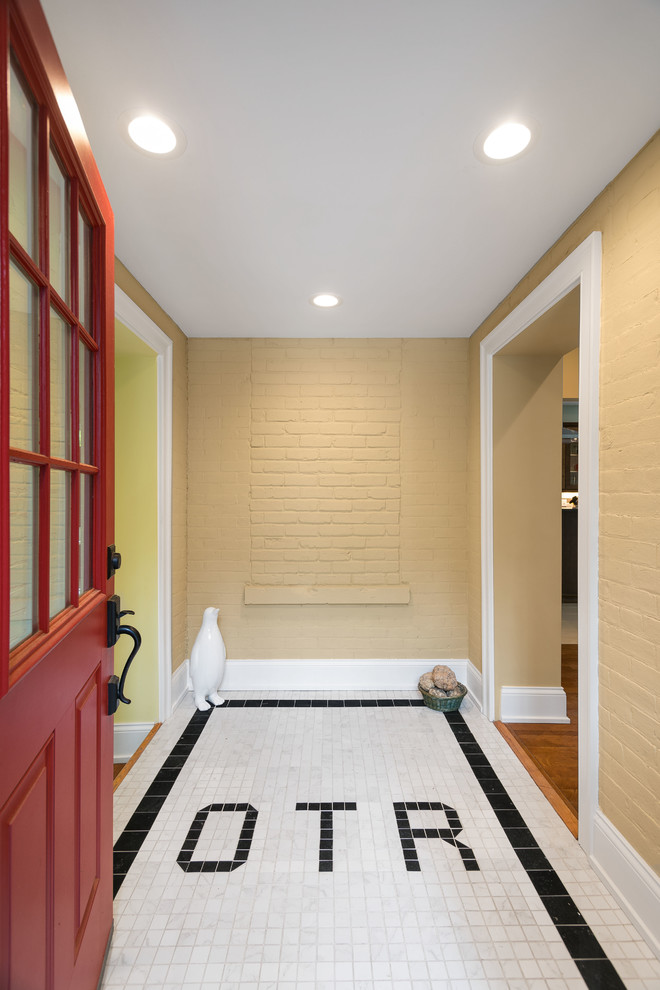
[(52, 467), (23, 162)]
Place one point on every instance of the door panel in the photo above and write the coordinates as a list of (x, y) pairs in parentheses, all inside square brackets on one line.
[(88, 819), (27, 875), (56, 521)]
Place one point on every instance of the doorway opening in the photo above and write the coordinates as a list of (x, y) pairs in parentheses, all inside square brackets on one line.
[(582, 271), (144, 513), (535, 437)]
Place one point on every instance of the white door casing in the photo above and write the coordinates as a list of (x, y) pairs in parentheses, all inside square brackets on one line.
[(581, 268)]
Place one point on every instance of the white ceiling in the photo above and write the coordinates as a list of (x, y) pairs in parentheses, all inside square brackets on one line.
[(330, 148)]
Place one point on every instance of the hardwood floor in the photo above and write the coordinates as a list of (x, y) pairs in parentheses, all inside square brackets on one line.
[(553, 749), (121, 769)]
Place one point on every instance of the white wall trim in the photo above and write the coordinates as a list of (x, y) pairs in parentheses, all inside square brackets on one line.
[(581, 268), (474, 684), (334, 675), (180, 683), (128, 736), (533, 704), (143, 327), (630, 879)]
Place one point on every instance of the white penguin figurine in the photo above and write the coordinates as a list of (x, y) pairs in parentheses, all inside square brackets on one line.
[(207, 662)]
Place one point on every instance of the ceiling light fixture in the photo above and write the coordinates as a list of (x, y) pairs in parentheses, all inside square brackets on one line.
[(152, 134), (506, 142), (325, 300)]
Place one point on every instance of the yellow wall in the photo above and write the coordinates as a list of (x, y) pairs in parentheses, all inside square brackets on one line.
[(141, 298), (571, 374), (527, 407), (628, 214), (329, 464), (136, 519)]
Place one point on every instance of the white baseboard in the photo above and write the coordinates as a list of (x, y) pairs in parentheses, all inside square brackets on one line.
[(533, 704), (180, 683), (128, 737), (337, 675), (629, 878), (474, 683)]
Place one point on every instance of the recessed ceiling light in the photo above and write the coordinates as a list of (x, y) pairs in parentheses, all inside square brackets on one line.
[(505, 142), (325, 300), (152, 134)]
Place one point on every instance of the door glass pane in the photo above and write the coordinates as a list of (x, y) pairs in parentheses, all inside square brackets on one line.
[(85, 273), (86, 408), (22, 164), (60, 387), (60, 540), (23, 361), (58, 212), (85, 537), (23, 548)]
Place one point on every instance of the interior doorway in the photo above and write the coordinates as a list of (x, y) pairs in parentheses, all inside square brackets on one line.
[(144, 496), (536, 528), (581, 270)]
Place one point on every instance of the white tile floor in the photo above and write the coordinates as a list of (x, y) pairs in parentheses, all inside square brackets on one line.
[(277, 922)]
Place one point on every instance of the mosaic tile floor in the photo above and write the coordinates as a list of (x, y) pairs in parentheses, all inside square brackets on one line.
[(314, 842)]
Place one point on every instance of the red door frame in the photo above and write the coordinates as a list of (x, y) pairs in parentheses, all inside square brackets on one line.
[(53, 687)]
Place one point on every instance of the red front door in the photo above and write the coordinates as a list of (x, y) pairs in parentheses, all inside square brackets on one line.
[(56, 519)]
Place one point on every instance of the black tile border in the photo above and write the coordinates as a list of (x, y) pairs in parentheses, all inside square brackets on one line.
[(324, 703), (137, 829), (584, 948)]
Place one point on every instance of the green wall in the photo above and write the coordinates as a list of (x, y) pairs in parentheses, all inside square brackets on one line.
[(136, 518)]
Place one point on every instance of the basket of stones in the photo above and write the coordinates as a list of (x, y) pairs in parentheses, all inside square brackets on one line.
[(440, 689)]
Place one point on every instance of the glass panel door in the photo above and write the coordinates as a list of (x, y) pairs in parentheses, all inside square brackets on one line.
[(23, 556), (23, 361), (53, 350), (23, 185), (59, 233)]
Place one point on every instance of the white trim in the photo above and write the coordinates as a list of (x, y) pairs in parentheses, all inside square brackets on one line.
[(630, 879), (128, 737), (180, 684), (533, 704), (143, 327), (333, 675), (583, 268), (474, 683)]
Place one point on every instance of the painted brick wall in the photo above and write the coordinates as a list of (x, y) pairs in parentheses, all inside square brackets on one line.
[(329, 462), (628, 214), (325, 496)]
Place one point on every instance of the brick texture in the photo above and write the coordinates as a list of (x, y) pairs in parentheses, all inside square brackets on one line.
[(325, 495), (325, 463), (628, 214)]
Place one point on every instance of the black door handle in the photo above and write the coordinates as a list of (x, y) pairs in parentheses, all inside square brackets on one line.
[(116, 629)]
